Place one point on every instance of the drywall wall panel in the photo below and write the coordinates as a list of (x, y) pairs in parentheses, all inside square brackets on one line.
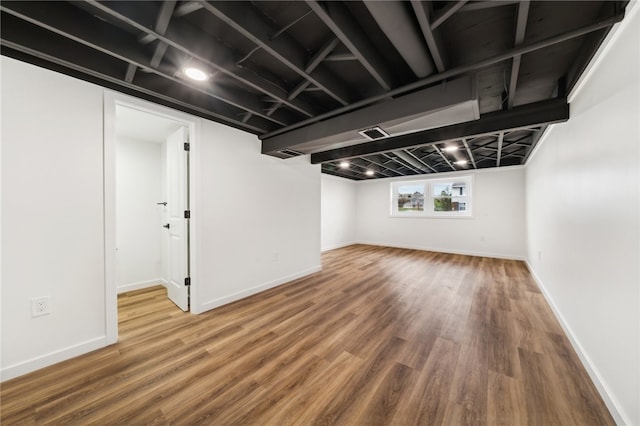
[(258, 219), (496, 228), (338, 217), (52, 217), (583, 220)]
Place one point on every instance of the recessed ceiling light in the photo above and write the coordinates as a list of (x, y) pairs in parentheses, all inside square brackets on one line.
[(369, 172), (450, 148), (461, 162), (344, 164), (196, 74)]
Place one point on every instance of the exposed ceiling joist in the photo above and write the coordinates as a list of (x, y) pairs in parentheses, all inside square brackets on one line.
[(446, 12), (489, 4), (317, 58), (247, 22), (521, 25), (336, 171), (290, 24), (367, 167), (408, 157), (411, 152), (131, 72), (164, 17), (521, 50), (162, 97), (408, 166), (499, 154), (336, 16), (396, 22), (91, 34), (444, 157), (383, 166), (187, 8), (339, 57), (264, 60), (321, 54), (421, 11), (209, 52), (589, 47), (469, 153), (545, 112)]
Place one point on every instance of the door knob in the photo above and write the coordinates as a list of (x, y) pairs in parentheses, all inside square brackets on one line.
[(164, 203), (166, 226)]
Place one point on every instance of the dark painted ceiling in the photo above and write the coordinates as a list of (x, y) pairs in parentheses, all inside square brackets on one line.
[(306, 76)]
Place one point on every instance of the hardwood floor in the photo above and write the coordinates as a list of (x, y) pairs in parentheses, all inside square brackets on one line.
[(381, 336)]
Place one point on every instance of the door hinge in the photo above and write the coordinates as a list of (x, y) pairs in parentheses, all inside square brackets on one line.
[(187, 214), (187, 146), (187, 281)]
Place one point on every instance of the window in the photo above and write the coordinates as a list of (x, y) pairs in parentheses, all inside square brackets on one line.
[(449, 197)]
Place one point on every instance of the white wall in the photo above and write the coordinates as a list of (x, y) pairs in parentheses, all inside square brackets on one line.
[(496, 230), (583, 221), (139, 234), (258, 219), (52, 216), (338, 212)]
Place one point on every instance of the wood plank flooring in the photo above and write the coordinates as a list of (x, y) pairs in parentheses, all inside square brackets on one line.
[(381, 336)]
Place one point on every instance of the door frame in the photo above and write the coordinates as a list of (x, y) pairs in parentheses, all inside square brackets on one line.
[(193, 124)]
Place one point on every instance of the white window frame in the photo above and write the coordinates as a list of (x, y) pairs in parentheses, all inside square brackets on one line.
[(427, 186)]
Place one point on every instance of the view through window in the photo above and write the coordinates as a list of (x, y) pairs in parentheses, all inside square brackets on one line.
[(450, 197)]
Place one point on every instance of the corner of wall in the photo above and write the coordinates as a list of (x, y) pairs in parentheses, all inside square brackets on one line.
[(593, 372)]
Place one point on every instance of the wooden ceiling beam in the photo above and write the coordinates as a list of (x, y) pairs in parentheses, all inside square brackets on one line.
[(92, 35), (446, 13), (246, 21), (206, 50), (463, 69), (421, 11), (396, 22), (521, 26), (341, 23)]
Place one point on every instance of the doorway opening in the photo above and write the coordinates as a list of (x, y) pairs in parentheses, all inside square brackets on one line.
[(147, 203)]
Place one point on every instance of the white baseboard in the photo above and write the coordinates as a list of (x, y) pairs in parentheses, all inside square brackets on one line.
[(51, 358), (450, 251), (141, 284), (257, 289), (610, 402), (337, 246)]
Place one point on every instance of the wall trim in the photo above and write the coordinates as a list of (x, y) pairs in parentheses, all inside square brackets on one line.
[(448, 251), (51, 358), (337, 246), (141, 284), (215, 303), (611, 403)]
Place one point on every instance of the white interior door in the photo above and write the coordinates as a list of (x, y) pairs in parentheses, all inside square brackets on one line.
[(177, 204)]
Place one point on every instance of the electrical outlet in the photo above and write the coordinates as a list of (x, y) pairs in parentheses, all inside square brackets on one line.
[(40, 306)]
